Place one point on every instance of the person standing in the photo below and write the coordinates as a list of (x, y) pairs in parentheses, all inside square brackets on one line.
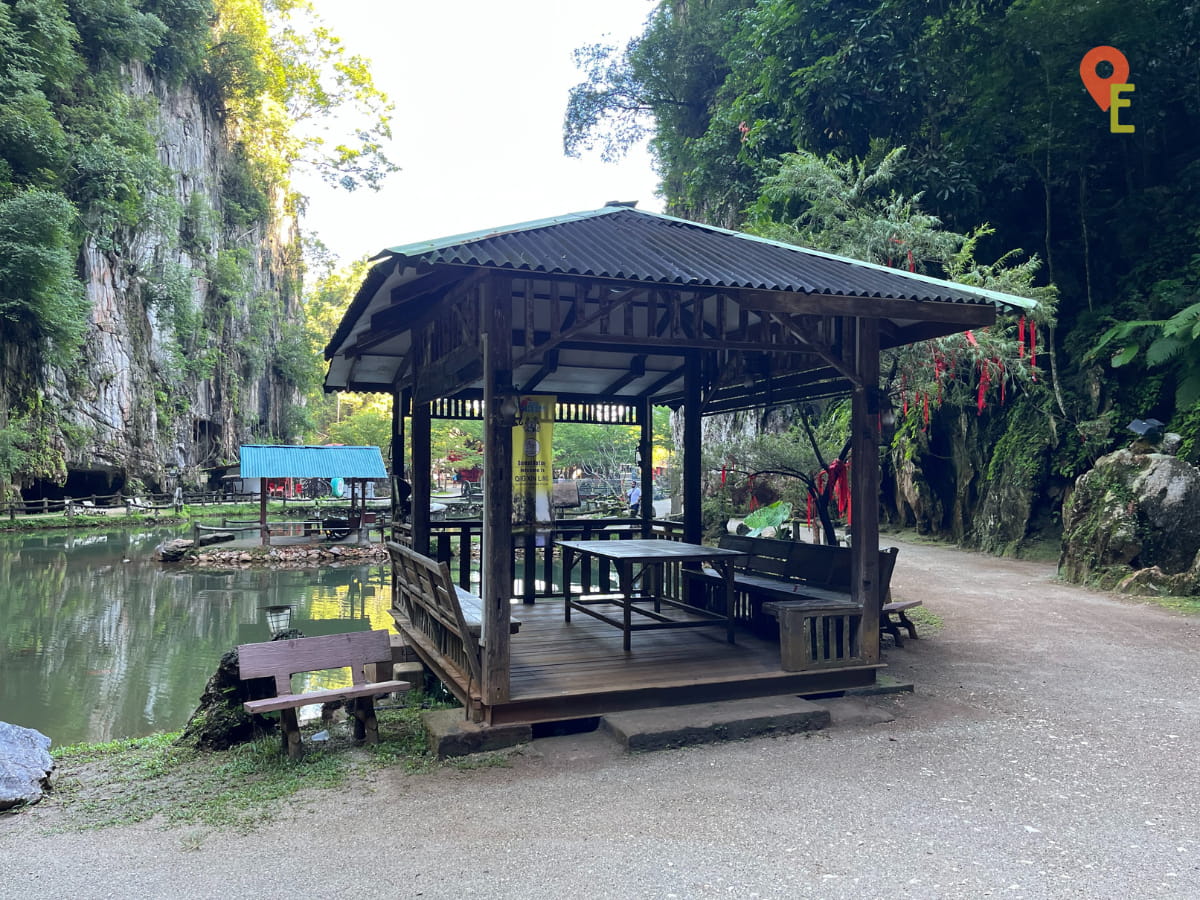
[(635, 498)]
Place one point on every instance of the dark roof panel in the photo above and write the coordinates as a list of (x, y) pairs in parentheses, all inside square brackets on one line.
[(628, 244)]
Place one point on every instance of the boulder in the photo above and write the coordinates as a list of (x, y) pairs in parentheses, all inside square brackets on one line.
[(25, 765), (1133, 511)]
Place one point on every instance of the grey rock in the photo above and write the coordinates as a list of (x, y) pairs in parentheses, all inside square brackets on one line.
[(1132, 511), (25, 765), (1171, 443)]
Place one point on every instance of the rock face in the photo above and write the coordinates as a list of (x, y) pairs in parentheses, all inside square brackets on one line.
[(25, 765), (1135, 511), (181, 360), (977, 479)]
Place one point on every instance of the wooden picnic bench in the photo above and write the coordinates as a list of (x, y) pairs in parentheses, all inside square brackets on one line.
[(806, 588), (283, 659), (441, 621)]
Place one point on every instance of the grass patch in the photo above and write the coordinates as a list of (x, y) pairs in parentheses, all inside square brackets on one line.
[(1187, 605), (158, 777), (927, 622)]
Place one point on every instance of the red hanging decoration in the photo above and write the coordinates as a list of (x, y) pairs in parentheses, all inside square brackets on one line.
[(925, 397), (1021, 338), (1003, 379), (1033, 349), (985, 379), (839, 476), (724, 475), (971, 339), (912, 266)]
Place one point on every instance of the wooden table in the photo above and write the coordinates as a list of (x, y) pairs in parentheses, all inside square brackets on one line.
[(651, 555)]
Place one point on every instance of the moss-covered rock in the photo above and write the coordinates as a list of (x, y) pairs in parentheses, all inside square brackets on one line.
[(1133, 511)]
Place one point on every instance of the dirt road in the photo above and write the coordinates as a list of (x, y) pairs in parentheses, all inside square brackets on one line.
[(1050, 750)]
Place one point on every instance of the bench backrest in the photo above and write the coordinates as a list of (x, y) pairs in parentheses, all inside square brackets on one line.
[(425, 594), (819, 565), (283, 659)]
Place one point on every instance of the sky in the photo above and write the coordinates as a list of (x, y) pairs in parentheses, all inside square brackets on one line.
[(480, 88)]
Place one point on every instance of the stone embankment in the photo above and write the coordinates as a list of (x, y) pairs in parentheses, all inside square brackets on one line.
[(302, 556)]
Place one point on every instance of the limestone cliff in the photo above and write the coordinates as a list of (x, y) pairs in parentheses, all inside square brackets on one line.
[(191, 309)]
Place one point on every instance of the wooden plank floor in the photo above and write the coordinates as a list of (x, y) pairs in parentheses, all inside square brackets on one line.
[(562, 669)]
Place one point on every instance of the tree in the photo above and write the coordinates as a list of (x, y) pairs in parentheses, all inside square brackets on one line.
[(599, 451), (290, 86), (813, 452)]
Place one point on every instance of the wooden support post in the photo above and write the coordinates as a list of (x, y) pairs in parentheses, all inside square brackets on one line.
[(263, 530), (693, 526), (397, 451), (422, 477), (646, 452), (496, 569), (864, 484)]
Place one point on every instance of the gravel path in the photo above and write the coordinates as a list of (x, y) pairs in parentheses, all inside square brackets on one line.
[(1050, 750)]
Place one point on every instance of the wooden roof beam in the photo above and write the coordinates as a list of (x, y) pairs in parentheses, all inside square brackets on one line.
[(637, 369), (549, 367)]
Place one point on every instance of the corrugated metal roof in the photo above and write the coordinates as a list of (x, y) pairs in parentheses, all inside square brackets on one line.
[(634, 245), (631, 245), (266, 461)]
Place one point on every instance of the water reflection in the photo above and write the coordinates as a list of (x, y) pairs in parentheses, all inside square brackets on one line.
[(98, 641)]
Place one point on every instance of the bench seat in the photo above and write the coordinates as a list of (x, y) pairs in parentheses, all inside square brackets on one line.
[(359, 651), (892, 626), (770, 585), (472, 610)]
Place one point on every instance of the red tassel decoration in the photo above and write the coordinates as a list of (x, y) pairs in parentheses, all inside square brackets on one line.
[(1021, 338), (1033, 348)]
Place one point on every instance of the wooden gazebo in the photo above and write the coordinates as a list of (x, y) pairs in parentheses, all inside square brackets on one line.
[(614, 311)]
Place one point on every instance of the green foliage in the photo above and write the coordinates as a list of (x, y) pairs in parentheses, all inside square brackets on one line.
[(366, 420), (595, 450), (773, 515), (187, 23), (850, 208), (31, 444), (113, 32), (40, 297), (32, 141), (244, 198), (1171, 342), (197, 225)]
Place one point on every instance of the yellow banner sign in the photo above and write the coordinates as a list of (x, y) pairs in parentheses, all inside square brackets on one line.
[(533, 460)]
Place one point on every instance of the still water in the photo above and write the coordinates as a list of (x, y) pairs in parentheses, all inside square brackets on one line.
[(98, 641)]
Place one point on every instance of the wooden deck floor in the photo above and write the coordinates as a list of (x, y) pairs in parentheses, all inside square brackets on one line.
[(573, 670)]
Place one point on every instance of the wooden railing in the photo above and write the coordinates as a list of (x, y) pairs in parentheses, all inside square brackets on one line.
[(536, 561)]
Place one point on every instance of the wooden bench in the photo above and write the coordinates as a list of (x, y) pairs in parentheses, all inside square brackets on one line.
[(441, 621), (892, 626), (283, 659), (812, 580)]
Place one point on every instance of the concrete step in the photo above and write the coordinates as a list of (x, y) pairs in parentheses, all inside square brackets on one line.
[(707, 723)]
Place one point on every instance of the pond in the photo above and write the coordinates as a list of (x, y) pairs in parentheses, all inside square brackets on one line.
[(98, 641)]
